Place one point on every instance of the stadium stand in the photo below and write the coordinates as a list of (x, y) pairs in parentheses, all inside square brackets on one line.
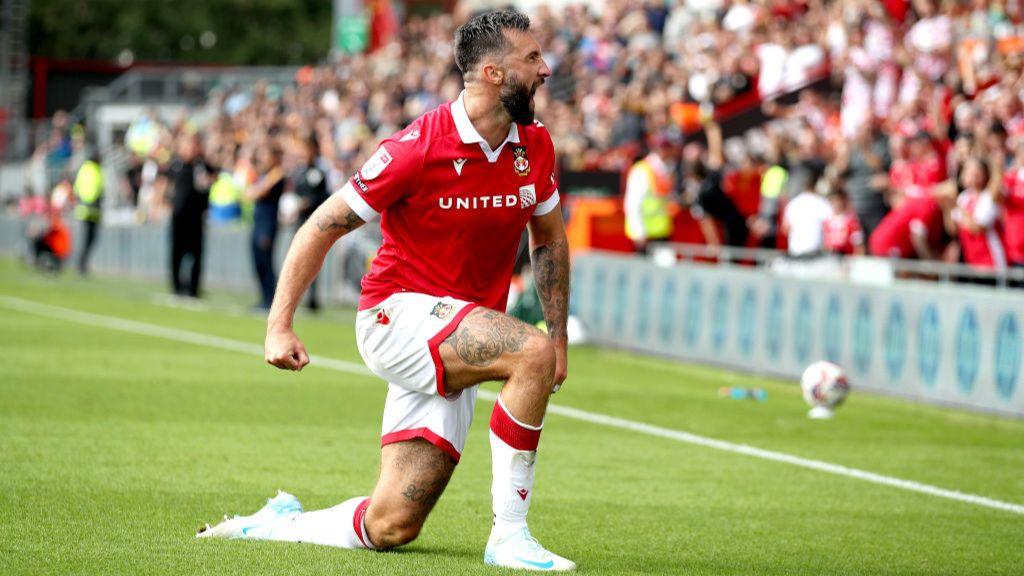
[(911, 109)]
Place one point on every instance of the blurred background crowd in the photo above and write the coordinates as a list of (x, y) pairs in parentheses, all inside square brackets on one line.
[(884, 127)]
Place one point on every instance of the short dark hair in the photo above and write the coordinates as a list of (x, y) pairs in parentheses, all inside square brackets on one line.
[(484, 34)]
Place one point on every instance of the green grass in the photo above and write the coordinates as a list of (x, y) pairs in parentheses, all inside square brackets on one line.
[(114, 447)]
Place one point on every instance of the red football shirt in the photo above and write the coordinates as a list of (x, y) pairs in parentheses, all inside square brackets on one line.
[(843, 233), (892, 237), (983, 248), (451, 209), (1013, 215)]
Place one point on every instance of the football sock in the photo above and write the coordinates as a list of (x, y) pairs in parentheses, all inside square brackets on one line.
[(513, 452), (342, 526)]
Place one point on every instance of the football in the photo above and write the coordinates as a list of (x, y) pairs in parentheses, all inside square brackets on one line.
[(825, 387)]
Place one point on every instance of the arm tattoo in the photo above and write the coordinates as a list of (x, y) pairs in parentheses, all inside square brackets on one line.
[(484, 337), (329, 222), (551, 276)]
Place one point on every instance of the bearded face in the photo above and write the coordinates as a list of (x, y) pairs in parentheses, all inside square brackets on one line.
[(517, 98)]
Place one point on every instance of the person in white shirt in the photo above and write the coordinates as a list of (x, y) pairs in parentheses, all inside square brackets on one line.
[(803, 222)]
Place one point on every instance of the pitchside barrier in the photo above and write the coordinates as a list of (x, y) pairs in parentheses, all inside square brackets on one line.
[(144, 252), (944, 343), (951, 344)]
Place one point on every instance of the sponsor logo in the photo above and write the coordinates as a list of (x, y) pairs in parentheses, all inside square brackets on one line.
[(668, 317), (479, 202), (745, 321), (929, 342), (598, 307), (459, 163), (968, 350), (773, 324), (442, 310), (894, 340), (376, 164), (720, 325), (527, 196), (643, 313), (863, 336), (803, 326), (620, 303), (694, 308), (833, 329), (410, 136), (359, 182), (382, 318), (523, 493), (1008, 352), (521, 163)]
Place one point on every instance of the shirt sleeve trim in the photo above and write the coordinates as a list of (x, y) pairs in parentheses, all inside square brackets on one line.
[(547, 205), (357, 204)]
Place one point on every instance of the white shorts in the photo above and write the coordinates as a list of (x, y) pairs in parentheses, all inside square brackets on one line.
[(398, 339)]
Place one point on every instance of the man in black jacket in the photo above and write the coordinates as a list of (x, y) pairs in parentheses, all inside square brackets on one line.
[(309, 182), (192, 178)]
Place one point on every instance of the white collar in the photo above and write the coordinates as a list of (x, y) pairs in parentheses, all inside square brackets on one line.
[(469, 135)]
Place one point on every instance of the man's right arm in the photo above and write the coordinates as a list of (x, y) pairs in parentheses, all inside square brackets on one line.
[(332, 220)]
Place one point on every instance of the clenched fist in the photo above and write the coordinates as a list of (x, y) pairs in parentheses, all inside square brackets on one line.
[(284, 350)]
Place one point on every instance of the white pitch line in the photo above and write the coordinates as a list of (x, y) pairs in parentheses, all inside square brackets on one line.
[(135, 327)]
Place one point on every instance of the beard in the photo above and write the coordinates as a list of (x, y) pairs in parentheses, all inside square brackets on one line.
[(517, 98)]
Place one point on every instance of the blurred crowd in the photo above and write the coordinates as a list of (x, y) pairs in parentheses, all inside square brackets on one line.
[(908, 145)]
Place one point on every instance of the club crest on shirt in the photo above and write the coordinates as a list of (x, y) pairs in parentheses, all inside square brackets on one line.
[(521, 162), (376, 164), (442, 310)]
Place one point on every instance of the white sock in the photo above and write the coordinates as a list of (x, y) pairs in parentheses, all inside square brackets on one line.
[(342, 526), (513, 453)]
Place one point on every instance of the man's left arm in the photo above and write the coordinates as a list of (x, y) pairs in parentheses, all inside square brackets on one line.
[(549, 255)]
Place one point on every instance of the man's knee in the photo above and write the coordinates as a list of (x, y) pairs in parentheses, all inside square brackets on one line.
[(537, 358), (393, 529)]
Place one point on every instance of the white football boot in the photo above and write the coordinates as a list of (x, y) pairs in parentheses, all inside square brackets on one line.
[(255, 526), (521, 551)]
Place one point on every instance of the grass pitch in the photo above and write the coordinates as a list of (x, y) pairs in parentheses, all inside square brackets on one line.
[(115, 446)]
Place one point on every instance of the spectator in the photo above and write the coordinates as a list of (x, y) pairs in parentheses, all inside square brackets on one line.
[(1012, 196), (88, 190), (913, 230), (704, 174), (941, 81), (976, 217), (648, 198), (266, 194), (803, 221), (843, 234), (192, 178), (309, 181), (863, 163)]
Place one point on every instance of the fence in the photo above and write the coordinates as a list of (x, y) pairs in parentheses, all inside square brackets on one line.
[(144, 252), (942, 343)]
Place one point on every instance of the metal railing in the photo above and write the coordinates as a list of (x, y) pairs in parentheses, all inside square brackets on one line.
[(177, 85), (866, 269)]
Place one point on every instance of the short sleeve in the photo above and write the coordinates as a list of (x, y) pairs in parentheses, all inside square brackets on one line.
[(386, 176), (547, 184), (986, 211)]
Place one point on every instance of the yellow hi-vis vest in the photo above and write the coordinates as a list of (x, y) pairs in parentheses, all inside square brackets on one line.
[(224, 191), (89, 191), (774, 181), (654, 213)]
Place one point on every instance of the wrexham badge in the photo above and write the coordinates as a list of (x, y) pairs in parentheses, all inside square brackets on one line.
[(521, 162), (442, 310)]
